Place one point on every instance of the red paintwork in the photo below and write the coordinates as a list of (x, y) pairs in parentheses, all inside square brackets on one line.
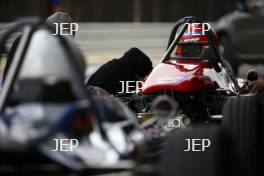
[(186, 76)]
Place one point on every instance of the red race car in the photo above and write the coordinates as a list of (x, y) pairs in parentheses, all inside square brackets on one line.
[(192, 73)]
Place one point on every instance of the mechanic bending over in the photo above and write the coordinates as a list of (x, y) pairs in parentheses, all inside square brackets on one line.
[(58, 17), (132, 66)]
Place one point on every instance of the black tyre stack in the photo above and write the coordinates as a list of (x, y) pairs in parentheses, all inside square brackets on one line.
[(243, 122), (237, 145), (211, 162)]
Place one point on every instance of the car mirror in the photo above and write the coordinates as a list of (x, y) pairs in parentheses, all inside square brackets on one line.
[(252, 75)]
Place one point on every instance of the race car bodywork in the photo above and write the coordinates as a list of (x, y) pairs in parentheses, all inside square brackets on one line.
[(44, 102), (186, 77), (199, 81)]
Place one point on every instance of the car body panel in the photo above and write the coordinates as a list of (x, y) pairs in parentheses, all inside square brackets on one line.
[(246, 33), (187, 76)]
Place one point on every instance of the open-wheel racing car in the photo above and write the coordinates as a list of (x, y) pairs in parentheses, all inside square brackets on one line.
[(192, 73), (193, 87), (41, 103), (45, 108)]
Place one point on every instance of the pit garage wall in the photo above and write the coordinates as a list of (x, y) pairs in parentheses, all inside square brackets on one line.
[(118, 10), (12, 9)]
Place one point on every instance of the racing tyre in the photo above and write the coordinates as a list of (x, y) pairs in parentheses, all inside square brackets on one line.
[(243, 123), (227, 52), (207, 162)]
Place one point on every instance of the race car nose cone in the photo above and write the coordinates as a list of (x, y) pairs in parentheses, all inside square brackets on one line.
[(45, 57)]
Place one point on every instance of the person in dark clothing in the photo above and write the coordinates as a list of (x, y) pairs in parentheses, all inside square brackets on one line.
[(132, 66)]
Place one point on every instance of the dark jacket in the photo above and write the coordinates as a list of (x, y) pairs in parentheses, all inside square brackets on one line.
[(132, 65)]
